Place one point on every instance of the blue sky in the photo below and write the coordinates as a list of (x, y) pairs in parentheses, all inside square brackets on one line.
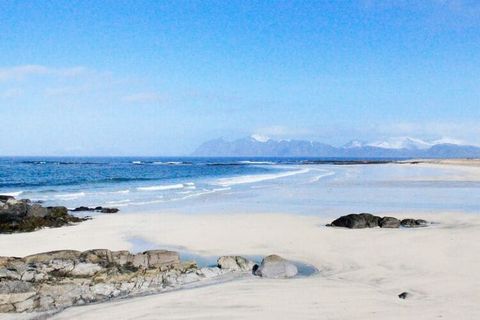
[(159, 78)]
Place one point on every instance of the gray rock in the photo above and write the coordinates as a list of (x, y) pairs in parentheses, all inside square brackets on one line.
[(274, 266), (389, 222), (37, 210), (235, 263), (161, 258)]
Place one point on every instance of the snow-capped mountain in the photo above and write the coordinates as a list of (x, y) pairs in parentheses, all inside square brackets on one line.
[(403, 147), (403, 143)]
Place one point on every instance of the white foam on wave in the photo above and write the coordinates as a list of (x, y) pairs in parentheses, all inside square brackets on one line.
[(70, 196), (121, 191), (162, 187), (319, 177), (12, 194), (168, 163), (257, 178), (256, 162)]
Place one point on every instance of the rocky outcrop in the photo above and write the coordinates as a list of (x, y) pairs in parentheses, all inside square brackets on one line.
[(59, 279), (97, 209), (24, 216), (275, 267), (367, 220)]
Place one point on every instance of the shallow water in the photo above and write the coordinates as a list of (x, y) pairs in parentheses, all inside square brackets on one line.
[(140, 245), (224, 185)]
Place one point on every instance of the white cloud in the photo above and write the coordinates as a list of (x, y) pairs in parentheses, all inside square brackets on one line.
[(25, 71)]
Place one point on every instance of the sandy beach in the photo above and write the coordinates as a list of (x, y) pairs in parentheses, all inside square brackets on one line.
[(361, 271)]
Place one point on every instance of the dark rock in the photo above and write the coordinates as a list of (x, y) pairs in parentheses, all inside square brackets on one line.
[(357, 221), (98, 209), (23, 216), (4, 198), (413, 223), (82, 208), (389, 222), (404, 295)]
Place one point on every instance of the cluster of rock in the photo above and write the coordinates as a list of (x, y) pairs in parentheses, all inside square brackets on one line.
[(25, 216), (272, 266), (96, 209), (367, 220), (59, 279)]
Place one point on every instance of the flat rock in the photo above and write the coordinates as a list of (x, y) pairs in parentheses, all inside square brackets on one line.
[(274, 266)]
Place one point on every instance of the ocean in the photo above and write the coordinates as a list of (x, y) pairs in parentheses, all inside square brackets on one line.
[(291, 185)]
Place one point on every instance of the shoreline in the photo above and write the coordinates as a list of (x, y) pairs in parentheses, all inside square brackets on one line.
[(361, 272)]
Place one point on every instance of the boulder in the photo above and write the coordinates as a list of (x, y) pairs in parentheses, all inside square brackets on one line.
[(109, 210), (389, 222), (404, 295), (413, 223), (235, 263), (357, 221), (274, 266)]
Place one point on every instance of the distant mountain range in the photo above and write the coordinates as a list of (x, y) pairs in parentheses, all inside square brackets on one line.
[(405, 147)]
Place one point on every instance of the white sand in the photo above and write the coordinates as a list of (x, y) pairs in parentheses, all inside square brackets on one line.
[(361, 271)]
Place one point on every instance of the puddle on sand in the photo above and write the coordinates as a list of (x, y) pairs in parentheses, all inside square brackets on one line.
[(140, 245)]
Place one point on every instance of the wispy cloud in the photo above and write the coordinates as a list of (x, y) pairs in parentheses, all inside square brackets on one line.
[(283, 132), (25, 71), (11, 93), (144, 97)]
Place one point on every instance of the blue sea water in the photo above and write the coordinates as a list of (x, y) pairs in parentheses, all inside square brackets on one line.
[(122, 181), (246, 185)]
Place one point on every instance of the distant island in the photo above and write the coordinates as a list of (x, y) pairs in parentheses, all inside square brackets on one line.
[(405, 147)]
